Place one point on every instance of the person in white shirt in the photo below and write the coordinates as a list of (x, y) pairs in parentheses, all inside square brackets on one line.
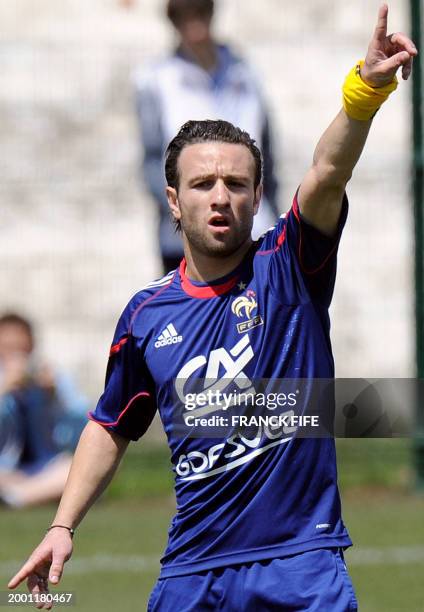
[(201, 79)]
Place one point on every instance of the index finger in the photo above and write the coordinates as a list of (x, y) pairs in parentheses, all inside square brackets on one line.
[(380, 31), (23, 573)]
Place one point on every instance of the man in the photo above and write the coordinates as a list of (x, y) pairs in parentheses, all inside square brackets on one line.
[(41, 418), (208, 81), (258, 525)]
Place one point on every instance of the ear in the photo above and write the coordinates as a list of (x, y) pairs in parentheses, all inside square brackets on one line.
[(173, 203), (258, 196)]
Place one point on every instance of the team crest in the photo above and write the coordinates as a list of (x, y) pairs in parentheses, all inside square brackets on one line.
[(243, 306)]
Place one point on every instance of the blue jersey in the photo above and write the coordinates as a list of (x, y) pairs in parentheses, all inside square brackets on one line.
[(238, 499)]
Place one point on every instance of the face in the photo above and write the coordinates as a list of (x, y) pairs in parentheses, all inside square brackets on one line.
[(14, 340), (195, 31), (216, 199)]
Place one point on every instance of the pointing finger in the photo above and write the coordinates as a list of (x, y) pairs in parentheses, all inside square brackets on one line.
[(23, 573), (380, 31)]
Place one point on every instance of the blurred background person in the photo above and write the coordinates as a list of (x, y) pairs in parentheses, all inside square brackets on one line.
[(41, 417), (201, 79)]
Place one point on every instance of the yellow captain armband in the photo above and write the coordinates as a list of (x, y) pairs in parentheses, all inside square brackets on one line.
[(361, 101)]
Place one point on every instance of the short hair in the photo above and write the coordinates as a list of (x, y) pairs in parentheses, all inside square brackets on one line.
[(13, 318), (208, 130), (194, 132), (179, 11)]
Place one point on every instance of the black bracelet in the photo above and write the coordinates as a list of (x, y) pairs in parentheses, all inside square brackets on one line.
[(71, 531)]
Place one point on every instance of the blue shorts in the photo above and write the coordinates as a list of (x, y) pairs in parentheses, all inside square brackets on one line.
[(313, 581)]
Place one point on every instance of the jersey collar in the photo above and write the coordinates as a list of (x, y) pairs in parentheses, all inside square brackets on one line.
[(205, 290)]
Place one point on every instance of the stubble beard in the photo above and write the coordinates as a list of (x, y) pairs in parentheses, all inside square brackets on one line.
[(203, 241)]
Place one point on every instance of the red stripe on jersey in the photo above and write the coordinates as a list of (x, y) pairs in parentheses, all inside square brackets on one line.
[(280, 239), (117, 347), (127, 407), (295, 206)]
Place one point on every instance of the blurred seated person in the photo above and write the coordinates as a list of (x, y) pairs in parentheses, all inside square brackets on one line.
[(41, 417)]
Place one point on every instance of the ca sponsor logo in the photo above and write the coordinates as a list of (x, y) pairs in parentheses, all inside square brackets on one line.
[(243, 306), (222, 369), (168, 336)]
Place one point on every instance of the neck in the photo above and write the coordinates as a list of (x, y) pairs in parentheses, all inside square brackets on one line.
[(204, 268), (204, 55)]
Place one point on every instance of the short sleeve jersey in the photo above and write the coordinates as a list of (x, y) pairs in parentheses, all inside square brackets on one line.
[(238, 500)]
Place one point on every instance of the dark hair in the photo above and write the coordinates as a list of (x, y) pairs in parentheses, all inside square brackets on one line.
[(193, 132), (181, 10), (12, 318)]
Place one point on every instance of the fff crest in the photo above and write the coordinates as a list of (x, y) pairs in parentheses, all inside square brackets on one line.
[(243, 306)]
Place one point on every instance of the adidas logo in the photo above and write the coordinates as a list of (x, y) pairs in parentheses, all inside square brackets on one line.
[(168, 336)]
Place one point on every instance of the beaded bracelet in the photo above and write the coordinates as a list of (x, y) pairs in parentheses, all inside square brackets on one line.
[(71, 531)]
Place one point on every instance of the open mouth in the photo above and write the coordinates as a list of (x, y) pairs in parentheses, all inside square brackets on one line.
[(219, 222)]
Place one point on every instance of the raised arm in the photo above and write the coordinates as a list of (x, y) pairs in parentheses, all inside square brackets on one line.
[(339, 148), (95, 461)]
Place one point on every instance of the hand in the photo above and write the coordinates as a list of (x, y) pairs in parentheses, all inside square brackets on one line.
[(46, 563), (386, 54)]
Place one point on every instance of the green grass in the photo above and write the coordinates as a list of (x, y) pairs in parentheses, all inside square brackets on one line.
[(132, 521), (383, 520), (145, 472), (375, 462)]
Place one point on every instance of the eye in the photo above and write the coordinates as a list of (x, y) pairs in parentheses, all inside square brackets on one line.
[(206, 184), (234, 184)]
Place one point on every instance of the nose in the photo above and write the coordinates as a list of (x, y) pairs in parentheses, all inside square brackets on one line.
[(195, 31), (220, 195)]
